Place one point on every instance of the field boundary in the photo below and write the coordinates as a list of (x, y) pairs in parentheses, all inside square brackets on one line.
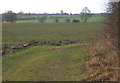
[(7, 48)]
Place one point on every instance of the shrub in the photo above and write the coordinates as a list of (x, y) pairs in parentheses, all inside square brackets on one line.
[(67, 20), (42, 19), (56, 19)]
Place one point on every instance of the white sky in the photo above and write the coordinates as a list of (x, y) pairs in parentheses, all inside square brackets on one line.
[(52, 6)]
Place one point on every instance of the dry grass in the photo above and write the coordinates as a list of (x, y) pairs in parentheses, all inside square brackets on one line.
[(104, 61), (102, 64)]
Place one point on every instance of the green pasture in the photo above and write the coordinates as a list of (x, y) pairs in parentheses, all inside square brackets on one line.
[(15, 33), (48, 62)]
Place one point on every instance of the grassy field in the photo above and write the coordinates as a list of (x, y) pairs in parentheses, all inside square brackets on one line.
[(48, 62), (26, 32), (45, 63), (62, 20)]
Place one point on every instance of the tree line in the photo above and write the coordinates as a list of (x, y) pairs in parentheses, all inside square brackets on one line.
[(10, 16)]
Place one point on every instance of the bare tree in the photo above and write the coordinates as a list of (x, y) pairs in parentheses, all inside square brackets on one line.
[(62, 12), (85, 14)]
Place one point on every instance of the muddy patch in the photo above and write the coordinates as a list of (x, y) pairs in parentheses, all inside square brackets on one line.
[(8, 48)]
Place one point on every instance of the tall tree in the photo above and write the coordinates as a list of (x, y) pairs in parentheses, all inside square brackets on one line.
[(62, 12), (85, 14), (9, 16)]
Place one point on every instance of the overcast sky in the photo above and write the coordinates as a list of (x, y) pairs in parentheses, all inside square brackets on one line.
[(52, 6)]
